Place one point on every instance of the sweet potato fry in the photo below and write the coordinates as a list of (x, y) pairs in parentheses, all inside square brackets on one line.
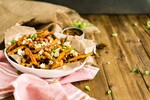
[(19, 42), (80, 57), (57, 64), (54, 42), (36, 56), (11, 47), (29, 53), (62, 55), (47, 55), (15, 50), (44, 34)]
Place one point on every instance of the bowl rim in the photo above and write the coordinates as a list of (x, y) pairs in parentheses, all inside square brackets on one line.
[(67, 28)]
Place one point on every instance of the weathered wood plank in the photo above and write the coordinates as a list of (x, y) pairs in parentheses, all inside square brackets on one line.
[(123, 47)]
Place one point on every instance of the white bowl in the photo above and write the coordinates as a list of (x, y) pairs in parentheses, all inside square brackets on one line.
[(55, 73)]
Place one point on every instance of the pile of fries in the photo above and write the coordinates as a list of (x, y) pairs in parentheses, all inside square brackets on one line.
[(43, 50)]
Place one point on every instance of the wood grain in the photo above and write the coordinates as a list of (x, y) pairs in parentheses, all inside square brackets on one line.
[(130, 49)]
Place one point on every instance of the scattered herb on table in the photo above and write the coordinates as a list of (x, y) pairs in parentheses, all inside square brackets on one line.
[(109, 91), (146, 73), (135, 70), (81, 25), (19, 72), (148, 25), (34, 36), (87, 88), (114, 34)]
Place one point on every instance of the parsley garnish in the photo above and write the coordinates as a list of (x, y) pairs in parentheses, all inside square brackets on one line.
[(68, 48), (18, 72), (81, 25), (109, 91), (13, 41), (135, 70), (33, 36), (114, 34), (146, 73), (87, 88)]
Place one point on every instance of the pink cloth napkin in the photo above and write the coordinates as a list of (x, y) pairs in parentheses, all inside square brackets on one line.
[(30, 87)]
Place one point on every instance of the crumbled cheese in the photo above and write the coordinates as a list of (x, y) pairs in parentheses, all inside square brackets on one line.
[(50, 62), (74, 53), (41, 51), (59, 42), (35, 42), (44, 43), (29, 39), (24, 41), (55, 52), (67, 44), (20, 52), (37, 45), (50, 41), (42, 65), (9, 43)]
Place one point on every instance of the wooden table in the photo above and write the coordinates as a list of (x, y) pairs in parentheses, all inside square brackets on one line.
[(130, 49)]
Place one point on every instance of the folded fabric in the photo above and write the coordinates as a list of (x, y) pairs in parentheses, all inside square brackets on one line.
[(30, 87)]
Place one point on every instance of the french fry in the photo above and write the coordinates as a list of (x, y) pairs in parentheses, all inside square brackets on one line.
[(44, 34), (47, 55), (15, 50), (19, 42), (54, 42), (57, 64), (62, 55), (80, 57), (29, 53), (11, 47), (36, 57)]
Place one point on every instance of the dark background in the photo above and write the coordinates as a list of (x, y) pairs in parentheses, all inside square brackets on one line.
[(105, 6)]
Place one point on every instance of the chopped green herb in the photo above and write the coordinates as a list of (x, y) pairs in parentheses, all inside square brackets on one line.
[(81, 25), (68, 48), (68, 62), (13, 41), (56, 50), (87, 88), (148, 23), (75, 49), (114, 34), (146, 73), (19, 72), (135, 70), (62, 45), (33, 36), (109, 91), (93, 54), (39, 54)]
